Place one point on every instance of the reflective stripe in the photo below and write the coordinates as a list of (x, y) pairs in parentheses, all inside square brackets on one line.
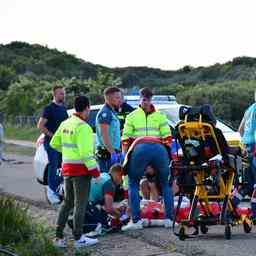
[(139, 136), (163, 124), (69, 145), (89, 158), (146, 129), (92, 168), (71, 161), (78, 161)]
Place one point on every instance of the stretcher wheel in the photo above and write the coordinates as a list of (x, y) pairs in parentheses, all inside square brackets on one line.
[(247, 227), (182, 234), (203, 229), (227, 232)]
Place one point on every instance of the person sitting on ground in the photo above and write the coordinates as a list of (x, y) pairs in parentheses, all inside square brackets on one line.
[(150, 185)]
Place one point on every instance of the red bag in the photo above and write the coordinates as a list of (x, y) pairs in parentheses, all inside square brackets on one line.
[(152, 210), (155, 210)]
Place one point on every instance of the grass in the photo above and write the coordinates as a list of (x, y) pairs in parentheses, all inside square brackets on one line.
[(19, 234), (21, 133), (18, 150)]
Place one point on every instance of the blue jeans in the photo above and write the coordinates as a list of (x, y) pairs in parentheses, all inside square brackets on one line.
[(252, 162), (54, 158), (143, 155)]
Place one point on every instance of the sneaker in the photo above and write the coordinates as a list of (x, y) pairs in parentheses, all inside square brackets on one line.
[(168, 223), (60, 242), (133, 226), (52, 197), (96, 232), (85, 241), (145, 222)]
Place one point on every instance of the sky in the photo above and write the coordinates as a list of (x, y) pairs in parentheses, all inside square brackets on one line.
[(166, 34)]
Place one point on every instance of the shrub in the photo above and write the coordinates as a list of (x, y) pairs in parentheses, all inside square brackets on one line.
[(19, 234)]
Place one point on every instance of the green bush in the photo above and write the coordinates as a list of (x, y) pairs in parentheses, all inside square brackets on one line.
[(15, 225), (19, 234)]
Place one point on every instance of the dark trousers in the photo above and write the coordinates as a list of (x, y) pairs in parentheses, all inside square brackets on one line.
[(143, 155), (76, 193), (54, 158)]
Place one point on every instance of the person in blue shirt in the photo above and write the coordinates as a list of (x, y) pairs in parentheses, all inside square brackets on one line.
[(52, 116), (101, 199), (108, 137), (103, 189), (247, 129)]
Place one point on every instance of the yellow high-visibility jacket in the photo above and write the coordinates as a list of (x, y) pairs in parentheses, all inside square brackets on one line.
[(138, 124), (74, 139)]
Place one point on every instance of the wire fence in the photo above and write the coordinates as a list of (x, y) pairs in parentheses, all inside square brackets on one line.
[(19, 121)]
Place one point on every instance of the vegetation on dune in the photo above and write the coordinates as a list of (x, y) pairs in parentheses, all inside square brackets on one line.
[(28, 72)]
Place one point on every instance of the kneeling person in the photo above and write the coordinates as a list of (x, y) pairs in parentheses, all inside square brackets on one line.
[(101, 199), (103, 190)]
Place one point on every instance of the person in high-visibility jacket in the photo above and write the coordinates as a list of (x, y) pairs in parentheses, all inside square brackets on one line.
[(74, 139), (145, 121)]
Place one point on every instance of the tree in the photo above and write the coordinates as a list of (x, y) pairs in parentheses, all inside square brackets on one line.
[(7, 75), (97, 86)]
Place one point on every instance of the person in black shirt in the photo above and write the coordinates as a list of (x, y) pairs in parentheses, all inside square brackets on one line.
[(124, 110), (52, 116)]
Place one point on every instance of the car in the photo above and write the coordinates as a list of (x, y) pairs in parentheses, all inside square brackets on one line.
[(170, 110)]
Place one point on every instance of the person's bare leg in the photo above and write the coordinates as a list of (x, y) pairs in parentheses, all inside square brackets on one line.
[(154, 193), (145, 189)]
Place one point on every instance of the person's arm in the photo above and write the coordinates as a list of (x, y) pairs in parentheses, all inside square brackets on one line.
[(56, 140), (43, 120), (108, 192), (128, 132), (104, 120), (165, 131), (85, 144), (41, 126), (108, 206), (105, 137), (241, 126)]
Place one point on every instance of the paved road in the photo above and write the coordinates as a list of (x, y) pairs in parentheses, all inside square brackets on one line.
[(18, 178)]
